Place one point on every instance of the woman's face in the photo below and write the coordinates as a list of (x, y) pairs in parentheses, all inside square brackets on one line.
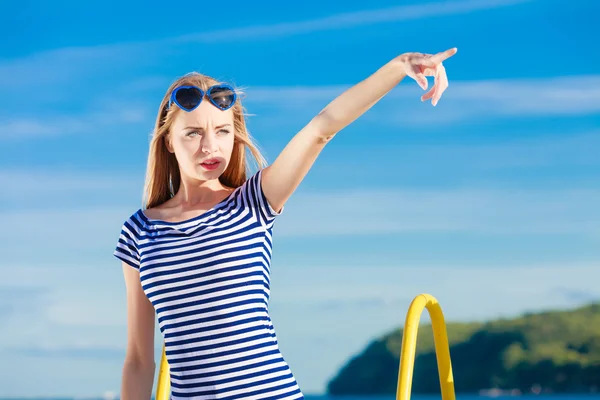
[(202, 141)]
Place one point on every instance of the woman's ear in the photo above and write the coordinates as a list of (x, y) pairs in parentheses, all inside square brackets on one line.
[(168, 145)]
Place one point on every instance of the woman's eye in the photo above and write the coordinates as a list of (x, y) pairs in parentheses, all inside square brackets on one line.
[(196, 133)]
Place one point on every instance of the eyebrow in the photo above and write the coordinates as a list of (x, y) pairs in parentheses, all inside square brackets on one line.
[(201, 129)]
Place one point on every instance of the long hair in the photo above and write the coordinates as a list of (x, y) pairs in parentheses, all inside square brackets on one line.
[(163, 177)]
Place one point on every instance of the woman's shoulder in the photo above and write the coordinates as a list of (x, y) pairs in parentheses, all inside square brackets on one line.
[(160, 211), (133, 220)]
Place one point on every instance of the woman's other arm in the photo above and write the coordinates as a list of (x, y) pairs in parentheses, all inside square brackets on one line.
[(139, 366)]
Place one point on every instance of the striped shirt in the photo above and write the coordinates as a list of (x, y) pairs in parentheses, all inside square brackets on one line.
[(208, 278)]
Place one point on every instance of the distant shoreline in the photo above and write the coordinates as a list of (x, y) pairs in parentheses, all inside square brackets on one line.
[(562, 396)]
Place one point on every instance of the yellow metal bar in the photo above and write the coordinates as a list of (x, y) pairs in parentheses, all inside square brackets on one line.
[(163, 386), (409, 345)]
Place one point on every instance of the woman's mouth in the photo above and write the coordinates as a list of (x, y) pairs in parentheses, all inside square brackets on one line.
[(210, 164)]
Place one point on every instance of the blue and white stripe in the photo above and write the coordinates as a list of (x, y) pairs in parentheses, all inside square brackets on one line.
[(209, 280)]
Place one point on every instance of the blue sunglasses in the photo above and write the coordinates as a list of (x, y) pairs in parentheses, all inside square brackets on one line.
[(188, 98)]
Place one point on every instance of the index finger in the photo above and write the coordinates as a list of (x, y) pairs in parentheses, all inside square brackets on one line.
[(444, 55)]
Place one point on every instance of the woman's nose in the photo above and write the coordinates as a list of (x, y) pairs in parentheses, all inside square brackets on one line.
[(209, 144)]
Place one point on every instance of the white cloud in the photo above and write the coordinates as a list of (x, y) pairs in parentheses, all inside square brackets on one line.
[(65, 317), (27, 181), (64, 233), (80, 295), (69, 187), (574, 149), (556, 96), (537, 286), (578, 94), (58, 377), (352, 19), (485, 211), (91, 120), (60, 65), (28, 128), (462, 101)]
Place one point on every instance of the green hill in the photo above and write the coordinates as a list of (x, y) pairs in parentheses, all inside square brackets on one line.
[(556, 351)]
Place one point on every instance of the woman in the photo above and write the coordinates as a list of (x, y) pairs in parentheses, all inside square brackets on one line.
[(198, 256)]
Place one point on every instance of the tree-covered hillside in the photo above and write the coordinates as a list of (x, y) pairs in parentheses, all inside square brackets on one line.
[(557, 351)]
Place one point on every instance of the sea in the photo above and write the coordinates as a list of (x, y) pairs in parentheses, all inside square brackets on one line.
[(591, 396)]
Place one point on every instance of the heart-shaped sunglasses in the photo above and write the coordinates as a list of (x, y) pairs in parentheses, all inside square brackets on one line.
[(188, 98)]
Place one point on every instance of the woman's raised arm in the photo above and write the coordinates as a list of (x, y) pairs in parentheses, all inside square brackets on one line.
[(280, 179)]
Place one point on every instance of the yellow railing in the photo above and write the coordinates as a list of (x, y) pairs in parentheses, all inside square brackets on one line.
[(163, 386), (409, 345), (407, 355)]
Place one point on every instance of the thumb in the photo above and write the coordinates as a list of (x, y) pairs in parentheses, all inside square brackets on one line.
[(417, 75)]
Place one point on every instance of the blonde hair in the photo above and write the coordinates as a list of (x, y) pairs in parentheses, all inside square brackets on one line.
[(162, 174)]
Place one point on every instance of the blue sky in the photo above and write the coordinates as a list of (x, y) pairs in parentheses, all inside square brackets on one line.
[(487, 201)]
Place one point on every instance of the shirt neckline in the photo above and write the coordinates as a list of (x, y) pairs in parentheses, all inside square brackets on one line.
[(204, 214)]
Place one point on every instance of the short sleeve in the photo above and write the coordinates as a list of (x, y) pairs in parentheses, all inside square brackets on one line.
[(256, 198), (127, 249)]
